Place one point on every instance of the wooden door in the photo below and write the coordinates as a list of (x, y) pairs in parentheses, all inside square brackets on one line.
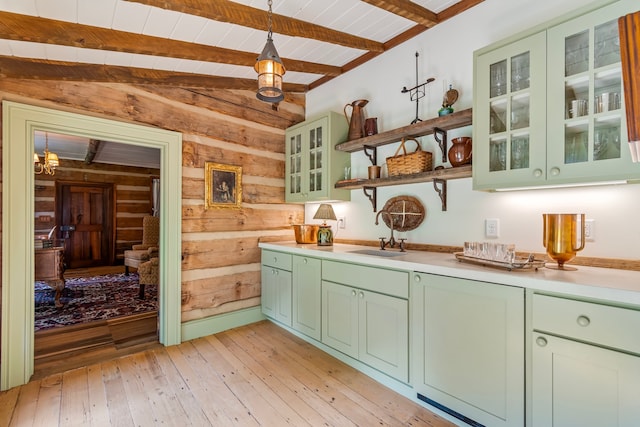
[(85, 219)]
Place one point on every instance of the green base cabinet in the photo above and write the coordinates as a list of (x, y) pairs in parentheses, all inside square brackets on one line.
[(549, 108), (313, 165), (276, 293), (468, 347), (585, 364), (367, 325), (307, 291)]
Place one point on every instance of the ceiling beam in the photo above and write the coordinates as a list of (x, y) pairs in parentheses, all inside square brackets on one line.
[(408, 10), (92, 150), (246, 16), (39, 69), (19, 27)]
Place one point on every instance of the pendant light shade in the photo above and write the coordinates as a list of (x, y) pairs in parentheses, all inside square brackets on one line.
[(270, 70)]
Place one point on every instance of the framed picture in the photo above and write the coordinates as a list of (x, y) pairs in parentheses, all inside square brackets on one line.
[(223, 186)]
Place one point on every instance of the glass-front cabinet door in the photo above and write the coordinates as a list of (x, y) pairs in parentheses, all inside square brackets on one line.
[(587, 136), (294, 158), (312, 165), (317, 177), (509, 114)]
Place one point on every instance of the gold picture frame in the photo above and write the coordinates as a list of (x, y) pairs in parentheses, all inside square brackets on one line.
[(223, 186)]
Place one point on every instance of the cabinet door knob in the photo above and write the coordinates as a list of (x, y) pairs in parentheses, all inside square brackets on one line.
[(541, 341), (583, 320), (275, 259), (304, 260), (416, 278), (537, 173), (361, 294), (274, 272), (554, 171), (353, 292)]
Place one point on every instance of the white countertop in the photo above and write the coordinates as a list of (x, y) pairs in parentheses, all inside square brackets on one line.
[(619, 286)]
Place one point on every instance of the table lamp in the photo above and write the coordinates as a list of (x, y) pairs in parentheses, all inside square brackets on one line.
[(325, 234)]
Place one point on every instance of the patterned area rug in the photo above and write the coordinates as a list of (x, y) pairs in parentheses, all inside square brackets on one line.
[(86, 299)]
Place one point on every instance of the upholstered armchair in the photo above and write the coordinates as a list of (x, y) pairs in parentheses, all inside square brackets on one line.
[(148, 274), (148, 248)]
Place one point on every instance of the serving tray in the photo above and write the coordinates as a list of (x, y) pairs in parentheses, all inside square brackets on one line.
[(519, 263)]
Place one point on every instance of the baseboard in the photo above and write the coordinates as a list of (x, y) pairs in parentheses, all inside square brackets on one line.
[(212, 325)]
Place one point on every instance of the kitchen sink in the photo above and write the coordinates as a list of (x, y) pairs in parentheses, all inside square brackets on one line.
[(378, 252)]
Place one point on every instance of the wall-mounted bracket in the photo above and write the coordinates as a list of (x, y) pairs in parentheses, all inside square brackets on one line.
[(440, 136), (442, 191), (372, 153), (372, 195)]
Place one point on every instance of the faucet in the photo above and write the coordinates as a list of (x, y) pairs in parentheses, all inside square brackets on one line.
[(392, 241)]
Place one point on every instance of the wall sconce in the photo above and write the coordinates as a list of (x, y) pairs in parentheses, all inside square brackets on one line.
[(270, 70), (51, 161), (325, 234)]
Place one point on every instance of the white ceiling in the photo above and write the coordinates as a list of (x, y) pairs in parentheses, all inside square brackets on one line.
[(349, 16), (70, 147)]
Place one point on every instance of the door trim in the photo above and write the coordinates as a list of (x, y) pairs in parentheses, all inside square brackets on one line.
[(19, 122)]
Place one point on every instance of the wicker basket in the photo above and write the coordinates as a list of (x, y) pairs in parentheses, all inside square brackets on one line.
[(404, 164)]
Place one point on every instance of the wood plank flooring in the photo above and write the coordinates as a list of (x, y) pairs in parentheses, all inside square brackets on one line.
[(61, 349), (258, 374)]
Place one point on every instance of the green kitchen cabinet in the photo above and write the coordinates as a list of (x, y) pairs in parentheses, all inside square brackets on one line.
[(361, 322), (468, 347), (307, 293), (509, 115), (548, 106), (276, 282), (312, 165), (585, 363)]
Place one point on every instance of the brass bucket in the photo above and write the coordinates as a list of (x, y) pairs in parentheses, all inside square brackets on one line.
[(306, 233), (563, 237)]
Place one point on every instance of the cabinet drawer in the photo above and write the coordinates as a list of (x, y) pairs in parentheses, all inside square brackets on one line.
[(609, 326), (276, 259), (390, 282)]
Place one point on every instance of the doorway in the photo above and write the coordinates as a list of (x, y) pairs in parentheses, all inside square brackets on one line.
[(84, 218), (19, 124)]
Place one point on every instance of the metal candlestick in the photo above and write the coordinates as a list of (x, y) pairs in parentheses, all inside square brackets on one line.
[(417, 92)]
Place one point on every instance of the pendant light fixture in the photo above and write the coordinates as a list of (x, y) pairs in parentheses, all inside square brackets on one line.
[(270, 70), (51, 161)]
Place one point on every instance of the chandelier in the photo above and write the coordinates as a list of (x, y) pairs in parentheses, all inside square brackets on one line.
[(51, 161), (270, 70)]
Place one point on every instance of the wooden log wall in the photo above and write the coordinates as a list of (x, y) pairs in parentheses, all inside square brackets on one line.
[(132, 187), (221, 258)]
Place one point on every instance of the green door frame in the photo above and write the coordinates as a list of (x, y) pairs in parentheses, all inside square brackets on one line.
[(19, 123)]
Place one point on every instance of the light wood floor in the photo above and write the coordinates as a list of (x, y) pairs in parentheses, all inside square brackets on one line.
[(254, 375)]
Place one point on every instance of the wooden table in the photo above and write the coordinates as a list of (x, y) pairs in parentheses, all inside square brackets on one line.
[(49, 265)]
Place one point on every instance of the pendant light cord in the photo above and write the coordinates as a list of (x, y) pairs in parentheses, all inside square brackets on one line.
[(270, 2)]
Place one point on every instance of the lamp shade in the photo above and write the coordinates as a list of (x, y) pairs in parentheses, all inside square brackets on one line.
[(324, 212)]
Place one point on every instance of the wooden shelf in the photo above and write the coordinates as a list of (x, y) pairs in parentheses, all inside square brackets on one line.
[(445, 174), (426, 127), (439, 125)]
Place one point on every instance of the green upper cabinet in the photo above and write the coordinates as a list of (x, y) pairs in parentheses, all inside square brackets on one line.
[(509, 115), (549, 107), (313, 166)]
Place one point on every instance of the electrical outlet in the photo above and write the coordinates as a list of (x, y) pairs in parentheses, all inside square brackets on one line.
[(492, 227), (590, 230), (342, 222)]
